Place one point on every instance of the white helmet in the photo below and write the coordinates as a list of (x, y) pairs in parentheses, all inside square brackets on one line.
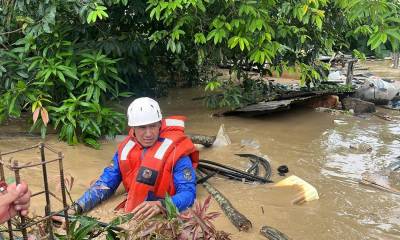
[(143, 111)]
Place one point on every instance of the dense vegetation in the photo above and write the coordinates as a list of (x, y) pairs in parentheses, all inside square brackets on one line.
[(68, 61)]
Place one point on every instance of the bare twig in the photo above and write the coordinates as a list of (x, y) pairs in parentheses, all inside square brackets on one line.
[(13, 31)]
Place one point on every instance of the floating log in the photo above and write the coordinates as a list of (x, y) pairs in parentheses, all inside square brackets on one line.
[(383, 116), (238, 220), (273, 234), (206, 141)]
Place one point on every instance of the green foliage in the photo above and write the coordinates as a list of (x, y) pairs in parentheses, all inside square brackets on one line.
[(378, 20), (63, 50), (98, 12), (85, 227), (272, 35), (171, 209), (86, 120), (58, 54), (212, 85), (336, 88), (250, 32), (230, 95), (359, 55), (312, 74), (48, 76)]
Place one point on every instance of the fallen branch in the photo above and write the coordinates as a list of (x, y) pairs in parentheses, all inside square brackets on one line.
[(377, 181), (383, 116), (273, 234), (238, 220)]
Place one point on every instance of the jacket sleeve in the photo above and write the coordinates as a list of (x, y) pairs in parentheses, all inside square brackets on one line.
[(103, 188), (185, 184)]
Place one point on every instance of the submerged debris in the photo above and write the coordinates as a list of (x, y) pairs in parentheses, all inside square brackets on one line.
[(273, 234), (307, 192), (250, 143), (339, 122), (361, 148), (222, 138), (206, 141), (379, 181), (383, 116), (334, 111), (377, 90)]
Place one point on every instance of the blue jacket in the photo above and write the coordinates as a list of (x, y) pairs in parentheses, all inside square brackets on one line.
[(105, 186)]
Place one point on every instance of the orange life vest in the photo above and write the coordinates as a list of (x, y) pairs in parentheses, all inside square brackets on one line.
[(152, 170)]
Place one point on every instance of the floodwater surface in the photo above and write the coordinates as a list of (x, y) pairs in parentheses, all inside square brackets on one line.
[(314, 145)]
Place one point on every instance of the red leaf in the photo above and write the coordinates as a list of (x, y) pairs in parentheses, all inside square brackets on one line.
[(198, 207), (195, 232), (45, 115), (184, 235), (212, 215), (185, 216), (198, 221), (36, 115), (206, 203)]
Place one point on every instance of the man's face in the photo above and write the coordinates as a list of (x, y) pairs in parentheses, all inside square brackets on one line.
[(147, 135)]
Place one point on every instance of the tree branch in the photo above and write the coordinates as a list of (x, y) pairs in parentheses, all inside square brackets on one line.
[(13, 31)]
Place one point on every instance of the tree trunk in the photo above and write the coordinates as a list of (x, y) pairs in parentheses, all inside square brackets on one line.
[(396, 60), (350, 68), (273, 234), (237, 219), (206, 141)]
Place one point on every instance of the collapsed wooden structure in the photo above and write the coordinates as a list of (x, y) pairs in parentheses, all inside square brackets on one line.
[(283, 102)]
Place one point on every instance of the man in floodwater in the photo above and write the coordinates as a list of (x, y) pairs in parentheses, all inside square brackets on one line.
[(154, 160)]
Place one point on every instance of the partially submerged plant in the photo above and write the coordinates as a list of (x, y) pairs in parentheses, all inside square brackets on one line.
[(198, 223), (194, 223)]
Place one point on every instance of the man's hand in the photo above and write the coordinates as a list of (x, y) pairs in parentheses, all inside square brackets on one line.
[(147, 210), (60, 220), (16, 198)]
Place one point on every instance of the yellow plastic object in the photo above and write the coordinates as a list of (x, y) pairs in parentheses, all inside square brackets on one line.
[(307, 192)]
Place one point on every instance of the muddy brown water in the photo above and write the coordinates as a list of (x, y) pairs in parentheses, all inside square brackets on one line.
[(312, 144), (380, 68)]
